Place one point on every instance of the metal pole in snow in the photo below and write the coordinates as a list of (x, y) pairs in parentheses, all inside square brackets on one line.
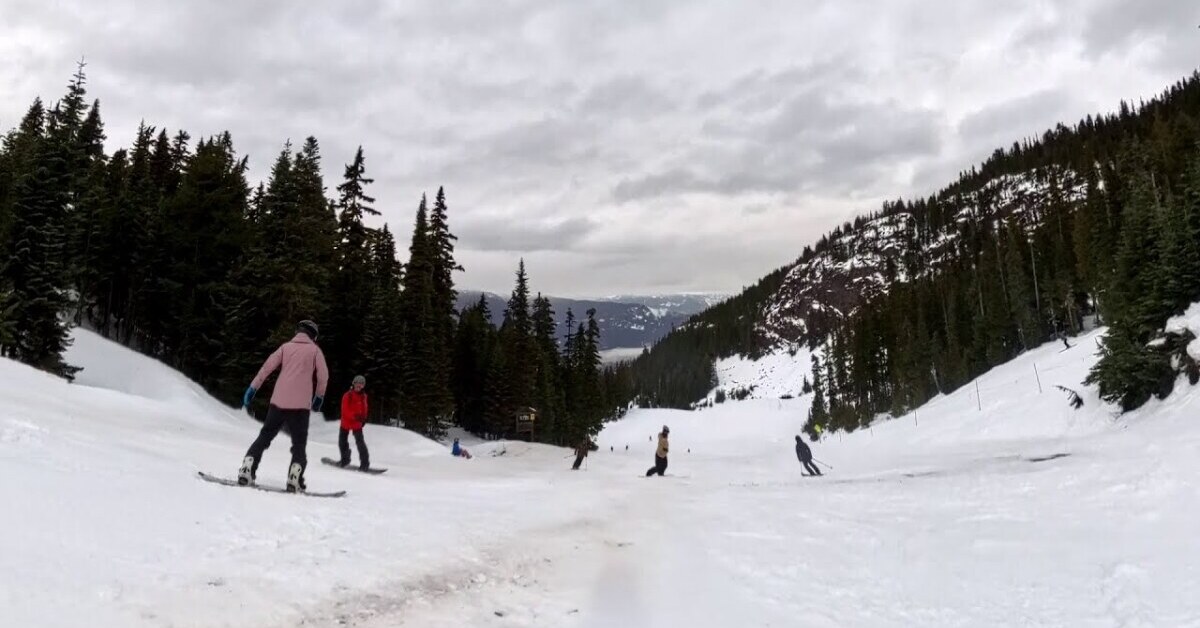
[(978, 403), (1039, 378)]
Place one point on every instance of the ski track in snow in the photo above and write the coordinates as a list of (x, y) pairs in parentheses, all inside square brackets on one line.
[(1011, 509)]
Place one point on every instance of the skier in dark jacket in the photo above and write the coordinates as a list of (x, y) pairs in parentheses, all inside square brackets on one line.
[(660, 454), (581, 452), (805, 456)]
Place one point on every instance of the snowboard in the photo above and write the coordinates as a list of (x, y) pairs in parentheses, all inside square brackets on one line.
[(371, 471), (265, 487)]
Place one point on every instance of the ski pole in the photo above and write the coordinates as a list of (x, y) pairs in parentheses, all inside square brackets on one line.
[(830, 467)]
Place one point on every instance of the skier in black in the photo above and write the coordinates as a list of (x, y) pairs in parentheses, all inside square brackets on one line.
[(660, 454), (805, 456), (581, 452)]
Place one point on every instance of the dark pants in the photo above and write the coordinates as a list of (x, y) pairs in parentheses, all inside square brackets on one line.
[(297, 427), (810, 467), (660, 467), (578, 460), (364, 460)]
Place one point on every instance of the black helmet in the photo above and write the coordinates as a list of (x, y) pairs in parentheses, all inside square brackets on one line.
[(309, 328), (666, 430), (797, 437)]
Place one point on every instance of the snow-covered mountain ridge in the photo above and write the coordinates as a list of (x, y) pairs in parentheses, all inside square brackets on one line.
[(861, 261), (625, 322)]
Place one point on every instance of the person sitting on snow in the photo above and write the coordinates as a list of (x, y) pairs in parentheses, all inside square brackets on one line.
[(458, 451), (805, 456)]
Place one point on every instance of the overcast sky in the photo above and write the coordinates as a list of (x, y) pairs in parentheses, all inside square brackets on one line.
[(636, 147)]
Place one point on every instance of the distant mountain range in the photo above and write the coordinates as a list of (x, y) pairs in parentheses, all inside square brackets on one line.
[(625, 321)]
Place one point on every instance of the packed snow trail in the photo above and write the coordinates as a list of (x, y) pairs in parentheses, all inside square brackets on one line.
[(1006, 509)]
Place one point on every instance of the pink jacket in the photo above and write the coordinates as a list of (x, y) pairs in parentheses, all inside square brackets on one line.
[(300, 362)]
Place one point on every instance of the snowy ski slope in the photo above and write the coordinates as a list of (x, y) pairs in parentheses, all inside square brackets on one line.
[(998, 509)]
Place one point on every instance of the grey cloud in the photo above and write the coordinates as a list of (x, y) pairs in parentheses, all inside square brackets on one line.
[(1005, 122), (673, 181), (1112, 25), (759, 90), (626, 96), (808, 141), (522, 234), (756, 130)]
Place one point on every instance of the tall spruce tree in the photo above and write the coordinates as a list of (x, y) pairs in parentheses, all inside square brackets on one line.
[(35, 270), (548, 398), (516, 338), (351, 284), (382, 345), (206, 219), (427, 401), (474, 342)]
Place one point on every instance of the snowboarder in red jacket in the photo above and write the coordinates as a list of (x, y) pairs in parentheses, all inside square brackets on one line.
[(354, 415)]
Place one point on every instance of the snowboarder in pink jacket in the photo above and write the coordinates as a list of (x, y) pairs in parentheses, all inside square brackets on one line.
[(300, 388)]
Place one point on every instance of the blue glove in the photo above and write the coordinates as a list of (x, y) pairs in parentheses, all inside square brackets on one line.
[(249, 396), (316, 406)]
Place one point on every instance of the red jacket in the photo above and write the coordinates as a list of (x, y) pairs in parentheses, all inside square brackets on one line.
[(354, 410)]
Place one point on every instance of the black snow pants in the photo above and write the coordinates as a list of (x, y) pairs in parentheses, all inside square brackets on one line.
[(578, 461), (364, 459), (297, 426), (810, 467), (660, 467)]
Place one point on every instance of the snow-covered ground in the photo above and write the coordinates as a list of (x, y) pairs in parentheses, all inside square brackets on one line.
[(1000, 508), (780, 373)]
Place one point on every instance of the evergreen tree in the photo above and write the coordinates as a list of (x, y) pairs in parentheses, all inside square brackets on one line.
[(34, 270), (549, 398), (441, 244), (1019, 298), (206, 218), (474, 342), (351, 284), (383, 339), (516, 338), (498, 409), (428, 401), (818, 413)]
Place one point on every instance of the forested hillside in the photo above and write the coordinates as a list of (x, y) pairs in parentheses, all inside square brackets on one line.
[(1099, 220), (166, 247)]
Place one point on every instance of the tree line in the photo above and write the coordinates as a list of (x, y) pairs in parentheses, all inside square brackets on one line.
[(167, 248)]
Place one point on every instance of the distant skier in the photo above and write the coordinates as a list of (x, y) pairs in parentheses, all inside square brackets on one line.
[(805, 456), (581, 452), (660, 454), (299, 389), (354, 415), (457, 451)]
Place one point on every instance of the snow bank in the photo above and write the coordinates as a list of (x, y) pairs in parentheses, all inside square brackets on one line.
[(1189, 321)]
